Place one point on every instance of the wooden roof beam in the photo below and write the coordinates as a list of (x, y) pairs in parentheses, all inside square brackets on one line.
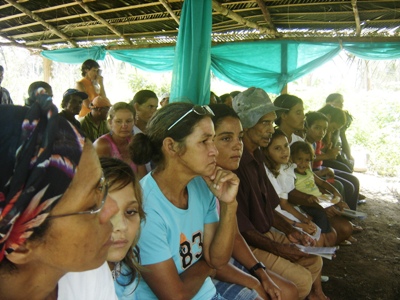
[(104, 22), (169, 10), (51, 8), (266, 14), (356, 17), (11, 42), (41, 21), (234, 16)]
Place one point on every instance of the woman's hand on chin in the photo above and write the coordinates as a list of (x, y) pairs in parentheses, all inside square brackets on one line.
[(223, 184)]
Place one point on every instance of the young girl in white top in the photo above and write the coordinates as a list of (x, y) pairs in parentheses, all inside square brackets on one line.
[(281, 173)]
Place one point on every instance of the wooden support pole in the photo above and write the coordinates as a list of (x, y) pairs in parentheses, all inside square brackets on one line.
[(284, 89), (266, 14), (236, 17), (169, 10), (47, 63), (11, 42), (104, 22), (356, 17)]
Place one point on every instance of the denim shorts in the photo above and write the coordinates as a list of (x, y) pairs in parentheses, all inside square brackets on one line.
[(218, 297), (234, 291)]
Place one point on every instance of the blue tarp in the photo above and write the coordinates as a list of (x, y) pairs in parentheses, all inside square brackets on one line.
[(75, 55), (266, 64)]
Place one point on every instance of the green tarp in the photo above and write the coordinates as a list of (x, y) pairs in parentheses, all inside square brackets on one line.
[(246, 64)]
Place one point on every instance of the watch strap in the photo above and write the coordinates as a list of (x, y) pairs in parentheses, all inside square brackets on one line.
[(257, 266)]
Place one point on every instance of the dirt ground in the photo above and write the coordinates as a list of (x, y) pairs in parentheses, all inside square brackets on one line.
[(370, 268)]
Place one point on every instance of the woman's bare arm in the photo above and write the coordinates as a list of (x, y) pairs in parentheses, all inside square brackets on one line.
[(166, 283), (102, 147)]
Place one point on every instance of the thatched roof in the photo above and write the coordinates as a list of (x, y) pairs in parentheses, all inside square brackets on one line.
[(51, 24)]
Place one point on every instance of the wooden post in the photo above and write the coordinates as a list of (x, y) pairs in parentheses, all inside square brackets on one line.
[(47, 69), (285, 89)]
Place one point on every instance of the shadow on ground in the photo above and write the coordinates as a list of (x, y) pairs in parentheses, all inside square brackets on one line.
[(370, 268)]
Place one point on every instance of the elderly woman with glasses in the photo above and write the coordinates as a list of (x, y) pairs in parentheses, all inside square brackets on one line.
[(121, 118), (54, 211), (183, 241)]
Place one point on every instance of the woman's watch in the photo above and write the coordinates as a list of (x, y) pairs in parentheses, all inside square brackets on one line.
[(257, 266)]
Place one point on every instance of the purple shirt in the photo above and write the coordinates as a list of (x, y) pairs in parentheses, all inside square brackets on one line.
[(256, 197)]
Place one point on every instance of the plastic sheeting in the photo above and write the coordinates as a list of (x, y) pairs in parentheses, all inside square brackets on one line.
[(75, 55), (191, 72), (151, 60), (266, 64)]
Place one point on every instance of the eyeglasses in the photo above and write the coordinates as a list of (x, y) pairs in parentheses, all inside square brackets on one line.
[(102, 189), (201, 110)]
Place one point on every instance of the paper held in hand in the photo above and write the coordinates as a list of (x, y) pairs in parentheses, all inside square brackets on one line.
[(326, 200), (315, 236), (353, 214), (326, 252)]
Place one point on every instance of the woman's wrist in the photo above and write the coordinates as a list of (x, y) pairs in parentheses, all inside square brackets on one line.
[(253, 283), (230, 205), (260, 274), (213, 272)]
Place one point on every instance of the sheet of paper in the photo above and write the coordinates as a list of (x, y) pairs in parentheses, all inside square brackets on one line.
[(326, 200), (326, 252), (353, 214), (325, 204)]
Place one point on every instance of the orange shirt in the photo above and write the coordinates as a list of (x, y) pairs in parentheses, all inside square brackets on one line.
[(91, 91)]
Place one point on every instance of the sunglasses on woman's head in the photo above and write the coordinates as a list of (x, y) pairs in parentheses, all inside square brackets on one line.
[(201, 110)]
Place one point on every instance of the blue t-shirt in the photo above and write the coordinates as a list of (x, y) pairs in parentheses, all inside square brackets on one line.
[(124, 290), (171, 232)]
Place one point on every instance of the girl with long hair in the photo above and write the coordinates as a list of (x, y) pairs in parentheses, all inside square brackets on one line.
[(123, 256)]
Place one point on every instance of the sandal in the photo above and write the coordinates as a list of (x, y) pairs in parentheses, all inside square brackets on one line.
[(361, 196), (345, 243), (324, 278), (352, 239), (357, 228)]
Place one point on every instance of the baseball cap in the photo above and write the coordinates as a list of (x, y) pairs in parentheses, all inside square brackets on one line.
[(251, 105), (75, 92)]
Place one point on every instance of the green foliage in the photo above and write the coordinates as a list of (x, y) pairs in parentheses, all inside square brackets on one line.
[(144, 81), (373, 103), (20, 70)]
